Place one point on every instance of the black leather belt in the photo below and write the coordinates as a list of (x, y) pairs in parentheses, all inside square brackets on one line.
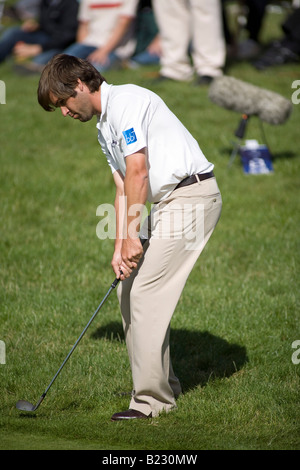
[(194, 178)]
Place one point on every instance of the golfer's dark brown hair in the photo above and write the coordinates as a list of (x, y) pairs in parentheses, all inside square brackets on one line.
[(60, 78)]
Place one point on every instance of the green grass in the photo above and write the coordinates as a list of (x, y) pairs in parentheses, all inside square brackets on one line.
[(233, 330)]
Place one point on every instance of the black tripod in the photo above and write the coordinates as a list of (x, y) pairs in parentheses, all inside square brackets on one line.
[(240, 134)]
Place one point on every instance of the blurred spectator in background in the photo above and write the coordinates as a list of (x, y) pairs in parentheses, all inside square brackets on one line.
[(195, 29), (255, 14), (105, 34), (148, 48), (285, 50), (24, 9), (40, 39), (250, 16)]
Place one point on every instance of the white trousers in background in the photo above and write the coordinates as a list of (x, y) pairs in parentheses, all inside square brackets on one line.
[(190, 22)]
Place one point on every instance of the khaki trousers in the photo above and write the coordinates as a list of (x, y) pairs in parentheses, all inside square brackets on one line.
[(180, 228), (182, 22)]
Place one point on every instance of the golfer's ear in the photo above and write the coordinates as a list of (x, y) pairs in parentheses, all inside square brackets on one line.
[(80, 84)]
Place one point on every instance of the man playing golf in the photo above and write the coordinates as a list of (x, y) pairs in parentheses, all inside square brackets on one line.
[(153, 158)]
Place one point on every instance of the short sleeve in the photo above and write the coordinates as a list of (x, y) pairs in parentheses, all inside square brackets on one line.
[(84, 10), (130, 121)]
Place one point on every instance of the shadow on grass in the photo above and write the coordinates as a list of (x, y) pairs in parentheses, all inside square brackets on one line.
[(197, 356)]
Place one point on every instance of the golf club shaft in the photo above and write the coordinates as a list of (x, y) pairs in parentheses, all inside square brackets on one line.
[(112, 287)]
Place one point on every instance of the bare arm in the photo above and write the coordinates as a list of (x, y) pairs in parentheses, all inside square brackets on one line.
[(119, 211), (134, 189), (82, 31)]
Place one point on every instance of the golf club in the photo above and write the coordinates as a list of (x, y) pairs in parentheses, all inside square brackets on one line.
[(24, 405)]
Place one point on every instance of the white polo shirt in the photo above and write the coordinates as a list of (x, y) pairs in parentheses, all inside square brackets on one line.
[(133, 118)]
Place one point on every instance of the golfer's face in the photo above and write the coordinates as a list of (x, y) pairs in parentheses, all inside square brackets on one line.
[(78, 107)]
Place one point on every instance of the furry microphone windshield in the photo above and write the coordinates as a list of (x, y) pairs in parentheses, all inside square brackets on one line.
[(237, 95)]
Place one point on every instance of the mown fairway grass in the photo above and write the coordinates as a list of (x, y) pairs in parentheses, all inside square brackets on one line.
[(233, 330)]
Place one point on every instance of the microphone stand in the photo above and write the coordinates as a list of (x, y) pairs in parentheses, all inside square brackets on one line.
[(240, 132)]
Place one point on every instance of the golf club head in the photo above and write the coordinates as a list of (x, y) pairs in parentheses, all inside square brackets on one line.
[(24, 405)]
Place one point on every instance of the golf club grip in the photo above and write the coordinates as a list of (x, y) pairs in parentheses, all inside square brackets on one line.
[(116, 281)]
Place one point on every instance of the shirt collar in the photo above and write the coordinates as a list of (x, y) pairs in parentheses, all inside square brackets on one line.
[(105, 89)]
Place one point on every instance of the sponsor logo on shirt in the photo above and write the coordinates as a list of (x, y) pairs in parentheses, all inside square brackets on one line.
[(130, 136)]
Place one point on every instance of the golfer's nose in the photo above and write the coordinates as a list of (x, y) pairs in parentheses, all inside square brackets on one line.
[(64, 111)]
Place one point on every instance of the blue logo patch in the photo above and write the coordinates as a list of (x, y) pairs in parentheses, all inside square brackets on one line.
[(130, 136)]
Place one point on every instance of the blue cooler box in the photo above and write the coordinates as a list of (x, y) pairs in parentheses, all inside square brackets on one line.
[(256, 159)]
